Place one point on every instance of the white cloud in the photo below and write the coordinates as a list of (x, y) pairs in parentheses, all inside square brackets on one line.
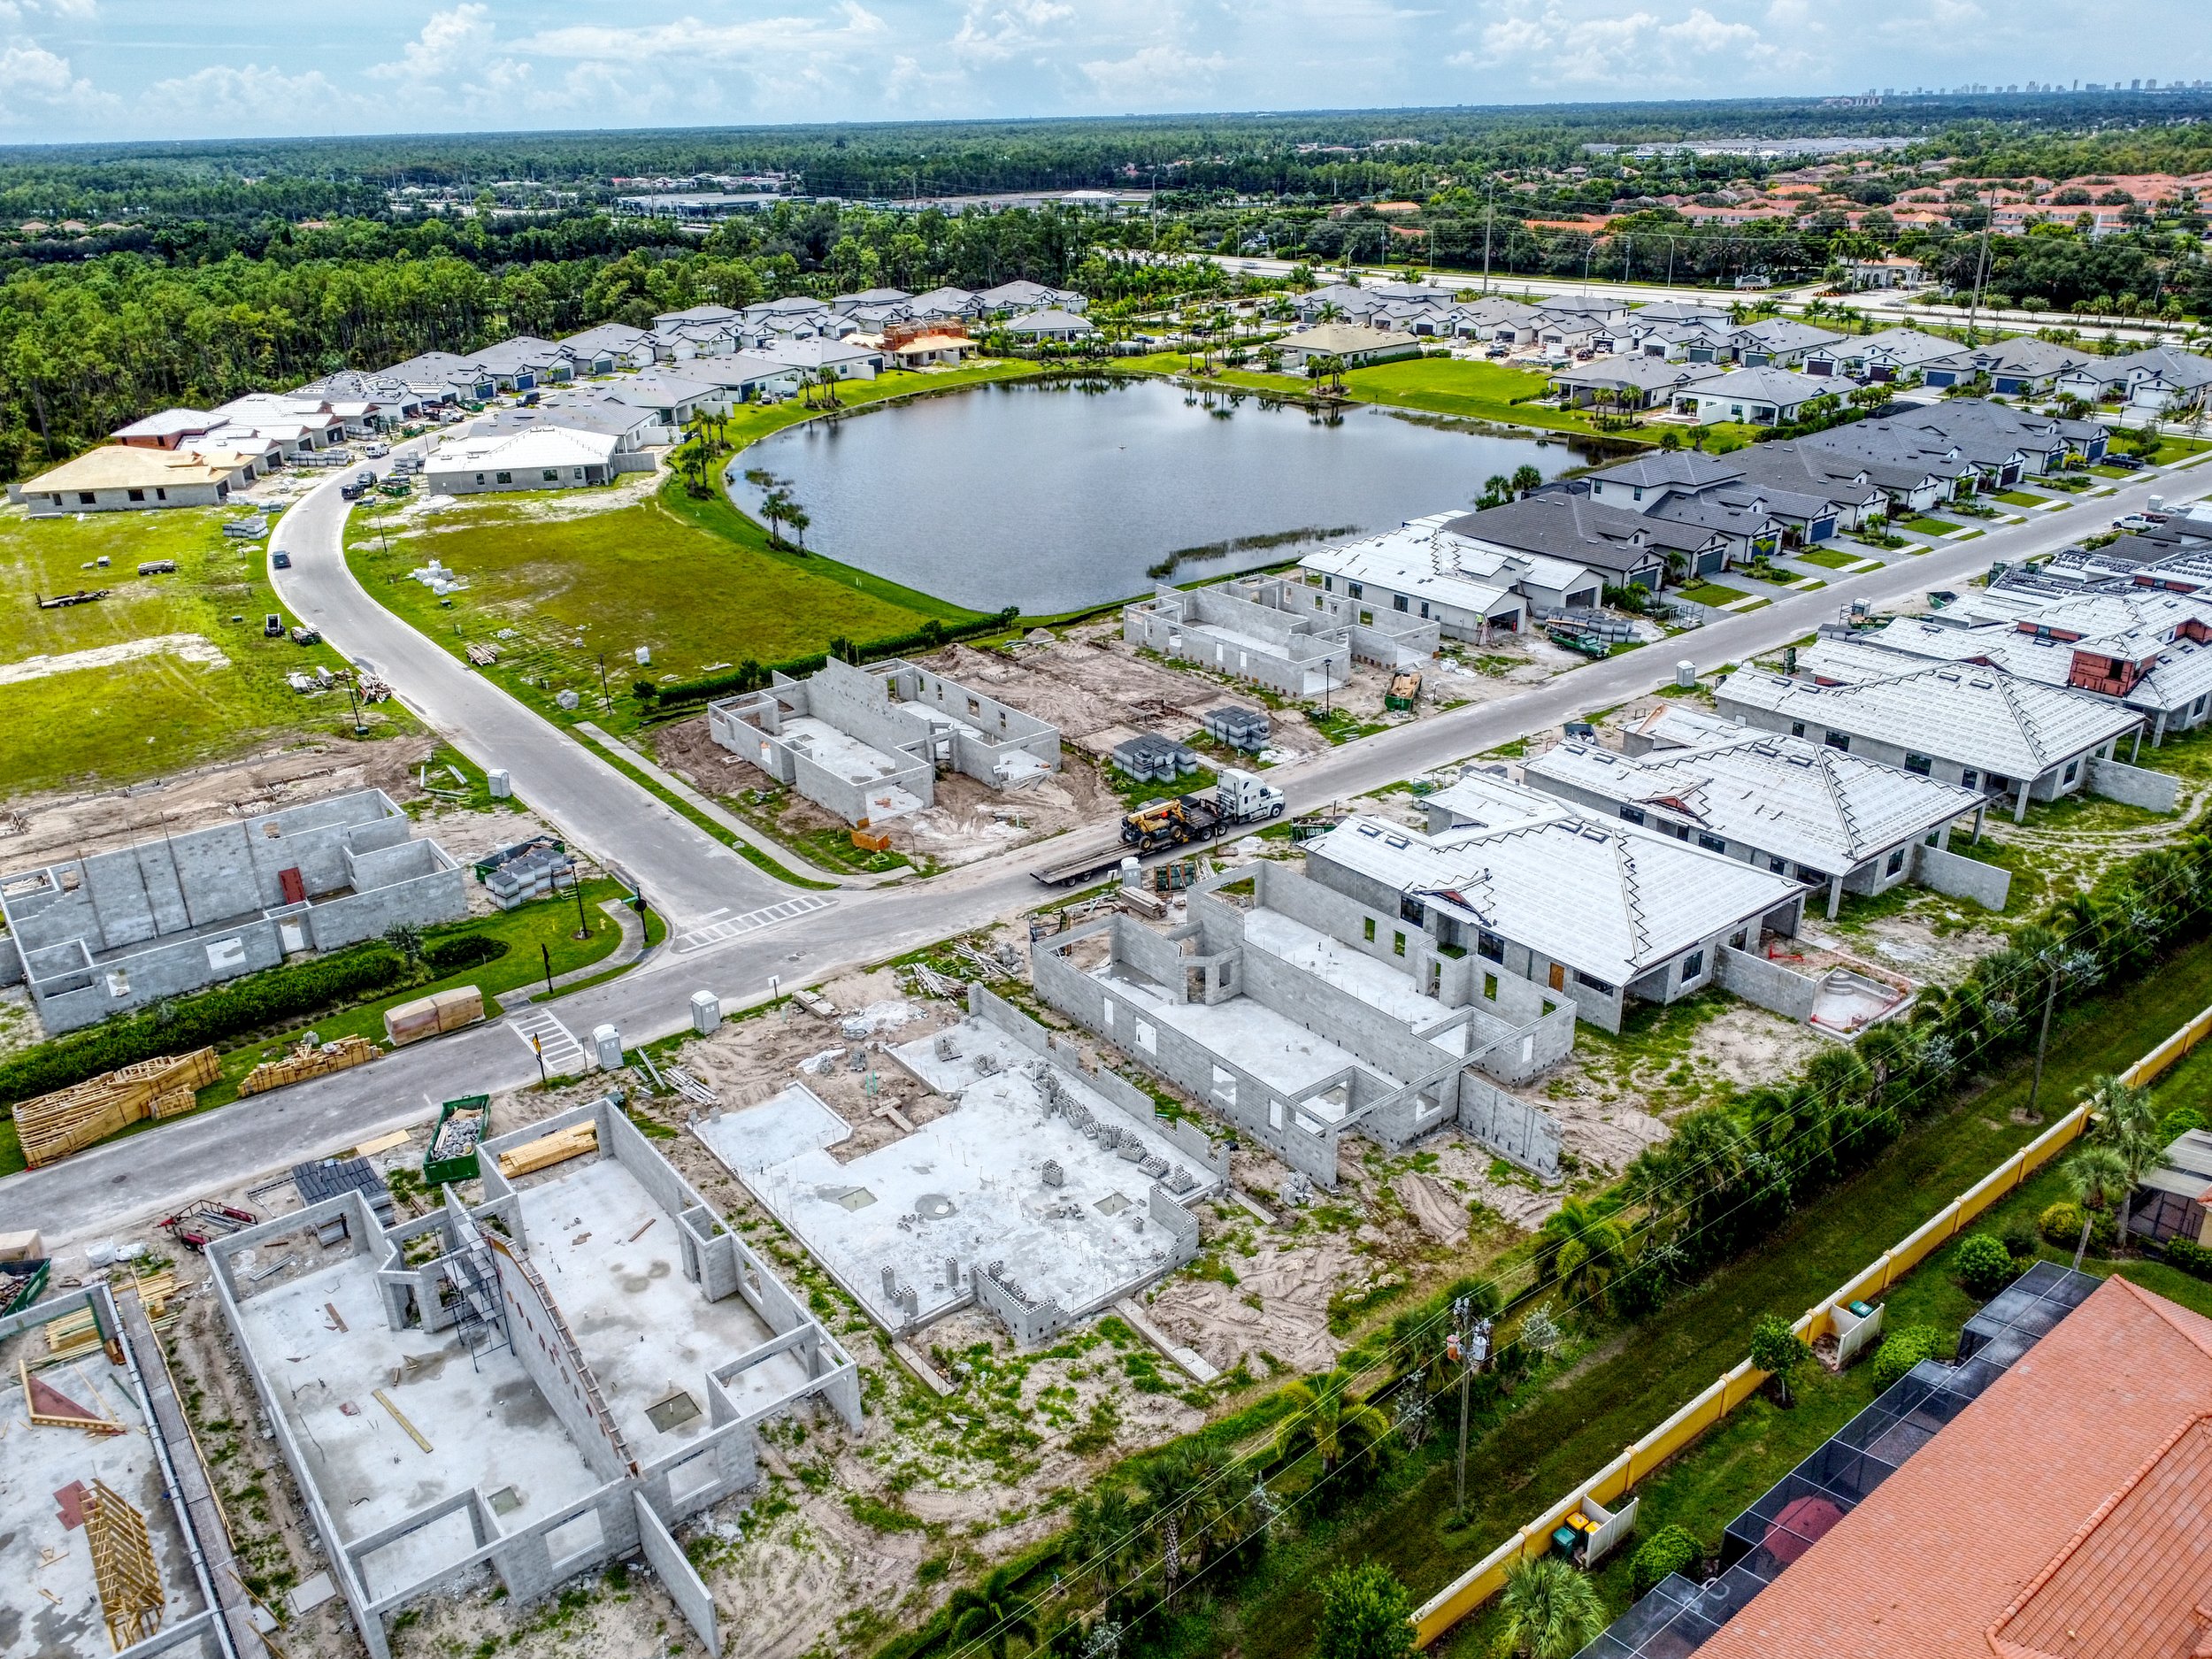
[(1564, 42), (1153, 75), (255, 98), (992, 33), (35, 85), (458, 39), (849, 29)]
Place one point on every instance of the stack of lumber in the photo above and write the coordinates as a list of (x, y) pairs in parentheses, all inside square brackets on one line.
[(123, 1567), (429, 1016), (308, 1061), (546, 1150), (54, 1125), (75, 1334)]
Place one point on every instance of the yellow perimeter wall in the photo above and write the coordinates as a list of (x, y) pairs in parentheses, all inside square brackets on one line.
[(1620, 1477)]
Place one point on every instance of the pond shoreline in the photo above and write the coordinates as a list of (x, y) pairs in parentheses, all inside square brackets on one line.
[(1060, 514)]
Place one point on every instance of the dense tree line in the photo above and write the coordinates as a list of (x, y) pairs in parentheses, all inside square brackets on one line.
[(86, 347)]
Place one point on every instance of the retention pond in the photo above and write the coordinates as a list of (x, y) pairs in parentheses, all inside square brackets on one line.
[(1063, 495)]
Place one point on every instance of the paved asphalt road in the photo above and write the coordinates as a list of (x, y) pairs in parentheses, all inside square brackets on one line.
[(100, 1190), (685, 872)]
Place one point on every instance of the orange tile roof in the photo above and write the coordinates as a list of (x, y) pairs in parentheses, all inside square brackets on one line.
[(2126, 1586), (1995, 1526)]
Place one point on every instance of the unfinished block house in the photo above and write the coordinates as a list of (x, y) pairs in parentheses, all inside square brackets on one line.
[(1300, 1014), (1048, 1194), (867, 743), (535, 1385), (1285, 635), (116, 931)]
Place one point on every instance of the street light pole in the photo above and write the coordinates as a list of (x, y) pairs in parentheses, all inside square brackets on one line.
[(2035, 1086), (576, 883)]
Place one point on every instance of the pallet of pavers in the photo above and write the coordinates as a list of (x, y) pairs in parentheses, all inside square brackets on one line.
[(54, 1125), (546, 1150), (309, 1060)]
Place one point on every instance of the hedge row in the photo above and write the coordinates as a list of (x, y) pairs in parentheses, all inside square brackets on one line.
[(268, 998), (751, 676), (465, 950)]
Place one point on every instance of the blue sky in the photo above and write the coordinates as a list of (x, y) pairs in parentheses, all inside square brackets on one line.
[(93, 69)]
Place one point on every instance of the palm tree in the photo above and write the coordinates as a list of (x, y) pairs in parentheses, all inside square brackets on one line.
[(1325, 1415), (1550, 1610), (2121, 1118), (1582, 1246), (2096, 1175), (1103, 1533), (989, 1614), (1526, 479), (1497, 489)]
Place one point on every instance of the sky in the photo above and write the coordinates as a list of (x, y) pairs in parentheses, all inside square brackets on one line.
[(74, 70)]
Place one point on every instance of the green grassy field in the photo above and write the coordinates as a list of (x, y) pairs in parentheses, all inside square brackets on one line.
[(100, 725), (1926, 526), (1713, 594), (694, 581)]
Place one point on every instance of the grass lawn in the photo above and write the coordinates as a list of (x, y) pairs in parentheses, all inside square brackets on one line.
[(756, 421), (1713, 594), (1826, 557), (2023, 498), (105, 723), (695, 582), (1627, 1386), (1926, 526)]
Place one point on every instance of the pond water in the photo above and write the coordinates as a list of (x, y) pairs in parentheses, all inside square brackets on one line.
[(1055, 497)]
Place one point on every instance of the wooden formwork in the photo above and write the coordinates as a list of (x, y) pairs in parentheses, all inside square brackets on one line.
[(131, 1598), (54, 1125), (546, 1150), (308, 1061)]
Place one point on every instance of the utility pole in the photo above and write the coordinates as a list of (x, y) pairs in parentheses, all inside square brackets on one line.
[(545, 954), (606, 697), (576, 883), (2035, 1086), (1489, 217), (1467, 1347), (1981, 270)]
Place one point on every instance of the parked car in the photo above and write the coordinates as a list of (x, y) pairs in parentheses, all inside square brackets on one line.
[(2139, 521), (2125, 463), (1497, 351), (282, 561), (376, 451)]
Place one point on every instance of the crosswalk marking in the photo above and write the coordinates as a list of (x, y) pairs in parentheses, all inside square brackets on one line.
[(767, 916), (554, 1042)]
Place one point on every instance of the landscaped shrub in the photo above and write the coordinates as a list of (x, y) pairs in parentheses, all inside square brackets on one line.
[(2020, 1237), (2060, 1224), (751, 676), (2178, 1123), (1670, 1549), (2193, 1259), (1983, 1265), (1903, 1349), (465, 950), (271, 997)]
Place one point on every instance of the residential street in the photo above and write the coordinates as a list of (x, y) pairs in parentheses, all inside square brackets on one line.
[(695, 879)]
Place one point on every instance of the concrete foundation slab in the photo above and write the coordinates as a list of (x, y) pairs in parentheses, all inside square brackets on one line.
[(487, 1423), (611, 1258), (50, 1604), (1273, 1048), (968, 1187)]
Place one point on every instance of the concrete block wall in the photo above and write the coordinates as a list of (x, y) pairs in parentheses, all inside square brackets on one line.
[(424, 888), (1167, 1210), (1514, 1129), (684, 1587), (1029, 1322), (1960, 876), (542, 1341), (1768, 984), (1227, 1091), (171, 970), (2135, 786), (10, 959), (1003, 726)]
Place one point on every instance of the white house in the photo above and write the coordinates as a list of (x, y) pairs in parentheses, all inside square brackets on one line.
[(552, 458), (1051, 325), (839, 358), (1352, 342), (120, 478)]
